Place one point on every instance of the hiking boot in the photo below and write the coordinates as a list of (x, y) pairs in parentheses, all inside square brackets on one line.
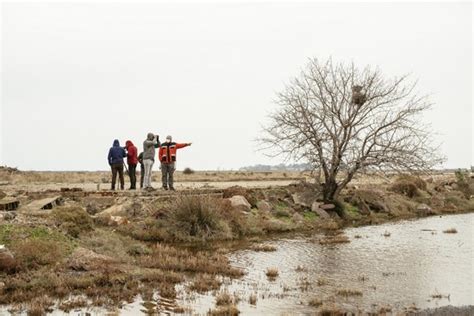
[(172, 189), (165, 188)]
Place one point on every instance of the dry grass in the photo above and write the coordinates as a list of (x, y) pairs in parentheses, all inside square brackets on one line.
[(263, 248), (322, 282), (330, 225), (405, 187), (300, 268), (34, 253), (272, 273), (169, 258), (338, 239), (253, 299), (40, 306), (349, 292), (229, 310), (331, 310), (224, 298), (450, 231), (304, 284), (71, 304), (73, 220), (167, 290), (205, 283), (315, 302)]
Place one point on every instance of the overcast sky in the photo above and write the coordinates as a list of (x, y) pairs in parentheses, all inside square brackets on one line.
[(77, 76)]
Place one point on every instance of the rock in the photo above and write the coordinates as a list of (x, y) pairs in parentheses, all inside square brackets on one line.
[(109, 220), (118, 220), (83, 259), (2, 194), (240, 203), (321, 213), (7, 260), (305, 199), (424, 209), (8, 216), (297, 218), (328, 206), (264, 206)]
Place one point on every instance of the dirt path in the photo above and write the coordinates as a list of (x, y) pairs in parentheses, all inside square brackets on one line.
[(38, 187)]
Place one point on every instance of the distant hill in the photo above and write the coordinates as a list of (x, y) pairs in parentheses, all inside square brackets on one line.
[(280, 167)]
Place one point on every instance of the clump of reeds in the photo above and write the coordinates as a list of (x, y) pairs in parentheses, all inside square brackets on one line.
[(263, 248), (301, 269), (205, 283), (349, 292), (272, 273), (450, 231), (315, 302), (322, 282), (253, 299)]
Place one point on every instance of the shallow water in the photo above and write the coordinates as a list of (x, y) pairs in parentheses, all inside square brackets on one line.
[(404, 269)]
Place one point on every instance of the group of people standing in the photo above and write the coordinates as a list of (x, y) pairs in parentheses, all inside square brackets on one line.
[(166, 156)]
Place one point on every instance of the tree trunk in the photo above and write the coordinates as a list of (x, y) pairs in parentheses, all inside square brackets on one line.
[(329, 189)]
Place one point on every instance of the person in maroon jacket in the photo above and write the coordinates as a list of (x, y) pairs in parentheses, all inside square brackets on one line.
[(132, 160)]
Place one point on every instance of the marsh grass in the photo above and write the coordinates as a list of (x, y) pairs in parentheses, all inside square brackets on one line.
[(272, 273), (349, 292), (182, 260), (263, 248), (224, 298), (253, 299), (205, 283), (322, 282), (229, 310), (315, 302), (450, 231), (73, 220)]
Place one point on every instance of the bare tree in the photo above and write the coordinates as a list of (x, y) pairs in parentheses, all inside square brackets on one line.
[(344, 120)]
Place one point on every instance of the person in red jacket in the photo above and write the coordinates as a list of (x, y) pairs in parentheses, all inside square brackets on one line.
[(132, 160), (167, 156)]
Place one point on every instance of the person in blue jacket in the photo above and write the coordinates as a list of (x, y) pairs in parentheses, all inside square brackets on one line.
[(115, 158)]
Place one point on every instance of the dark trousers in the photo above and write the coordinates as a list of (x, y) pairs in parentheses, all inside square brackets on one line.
[(167, 172), (142, 175), (117, 167), (132, 173)]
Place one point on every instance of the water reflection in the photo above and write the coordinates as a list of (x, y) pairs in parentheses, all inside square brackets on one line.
[(411, 263)]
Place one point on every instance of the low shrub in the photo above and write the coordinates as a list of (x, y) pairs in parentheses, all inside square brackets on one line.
[(417, 181), (73, 220), (282, 213), (198, 217), (205, 283), (34, 253), (405, 187), (188, 170), (464, 183)]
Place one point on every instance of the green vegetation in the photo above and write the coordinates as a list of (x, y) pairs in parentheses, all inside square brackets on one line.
[(310, 216), (73, 220)]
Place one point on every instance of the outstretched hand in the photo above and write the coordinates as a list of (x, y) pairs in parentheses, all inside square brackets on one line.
[(189, 144)]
